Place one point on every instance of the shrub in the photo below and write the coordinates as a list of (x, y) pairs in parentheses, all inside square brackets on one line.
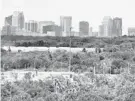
[(54, 97), (28, 76), (134, 59), (132, 69), (101, 57), (117, 65), (22, 97), (90, 97)]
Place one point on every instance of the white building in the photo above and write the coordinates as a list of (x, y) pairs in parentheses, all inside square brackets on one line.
[(66, 24), (107, 26), (90, 31), (101, 31), (18, 20)]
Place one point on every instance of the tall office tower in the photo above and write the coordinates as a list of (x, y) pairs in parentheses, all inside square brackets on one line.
[(66, 24), (21, 20), (101, 31), (84, 28), (31, 26), (26, 26), (117, 27), (107, 26), (35, 26), (131, 31), (90, 31), (18, 20), (8, 20)]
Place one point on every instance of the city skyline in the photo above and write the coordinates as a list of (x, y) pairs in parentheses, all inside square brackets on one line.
[(92, 11)]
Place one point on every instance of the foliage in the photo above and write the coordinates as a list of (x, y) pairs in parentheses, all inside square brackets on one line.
[(80, 88)]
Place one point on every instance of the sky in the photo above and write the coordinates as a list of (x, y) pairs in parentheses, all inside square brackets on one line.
[(92, 11)]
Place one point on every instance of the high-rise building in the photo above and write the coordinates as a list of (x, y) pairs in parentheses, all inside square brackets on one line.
[(31, 26), (8, 20), (84, 28), (18, 20), (107, 26), (26, 26), (90, 31), (117, 27), (101, 31), (131, 31), (66, 24)]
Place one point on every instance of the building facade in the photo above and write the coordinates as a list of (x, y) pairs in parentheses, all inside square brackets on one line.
[(42, 24), (8, 30), (31, 26), (101, 31), (84, 28), (117, 27), (107, 26), (66, 24), (131, 31), (8, 20), (90, 31), (52, 28), (18, 20)]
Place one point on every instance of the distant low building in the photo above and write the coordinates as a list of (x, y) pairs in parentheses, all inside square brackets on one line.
[(95, 34), (42, 24), (52, 28), (51, 33), (8, 30), (131, 31)]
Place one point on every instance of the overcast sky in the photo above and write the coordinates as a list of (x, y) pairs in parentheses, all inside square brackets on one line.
[(92, 11)]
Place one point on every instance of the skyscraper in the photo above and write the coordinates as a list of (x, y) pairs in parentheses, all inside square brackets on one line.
[(18, 20), (117, 27), (101, 31), (107, 26), (84, 28), (66, 24), (8, 20), (90, 31), (21, 20), (31, 26)]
